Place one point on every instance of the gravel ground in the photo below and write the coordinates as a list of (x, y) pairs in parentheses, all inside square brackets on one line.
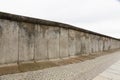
[(86, 70)]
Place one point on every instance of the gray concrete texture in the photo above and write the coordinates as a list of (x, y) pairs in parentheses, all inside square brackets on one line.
[(22, 42)]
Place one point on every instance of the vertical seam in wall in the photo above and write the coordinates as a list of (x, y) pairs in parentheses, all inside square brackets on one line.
[(68, 41), (76, 45), (59, 41), (18, 42), (34, 42), (68, 44), (47, 42)]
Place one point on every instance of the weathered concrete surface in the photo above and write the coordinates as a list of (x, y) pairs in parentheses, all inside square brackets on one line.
[(87, 43), (64, 43), (86, 70), (78, 43), (83, 44), (25, 39), (53, 42), (8, 41), (72, 40), (41, 42)]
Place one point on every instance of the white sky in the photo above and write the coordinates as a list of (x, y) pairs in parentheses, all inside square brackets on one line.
[(102, 16)]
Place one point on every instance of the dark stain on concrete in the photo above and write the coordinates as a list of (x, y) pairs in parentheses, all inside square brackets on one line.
[(29, 32), (44, 30), (29, 29), (57, 31), (71, 37), (77, 36), (1, 31)]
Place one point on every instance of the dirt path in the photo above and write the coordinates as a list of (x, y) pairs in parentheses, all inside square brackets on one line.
[(86, 70)]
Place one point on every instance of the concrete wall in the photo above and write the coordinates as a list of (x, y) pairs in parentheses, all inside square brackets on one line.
[(26, 39)]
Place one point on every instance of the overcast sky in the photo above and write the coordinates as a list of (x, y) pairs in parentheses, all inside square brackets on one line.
[(102, 16)]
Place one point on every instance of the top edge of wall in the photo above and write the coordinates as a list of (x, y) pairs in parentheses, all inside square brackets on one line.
[(19, 18)]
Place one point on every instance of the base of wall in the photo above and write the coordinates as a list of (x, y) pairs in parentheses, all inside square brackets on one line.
[(42, 64), (7, 65)]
